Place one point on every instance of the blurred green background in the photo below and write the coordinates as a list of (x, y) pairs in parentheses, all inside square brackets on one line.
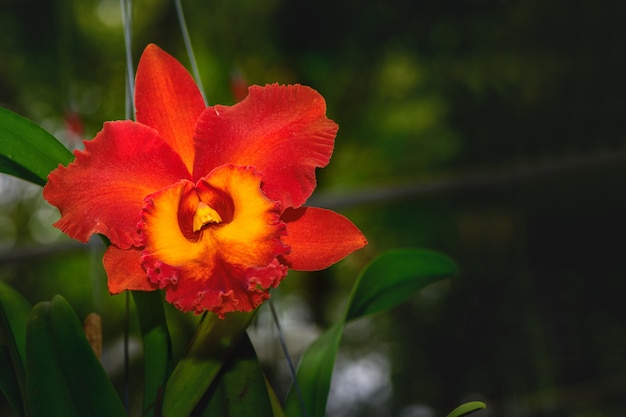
[(491, 130)]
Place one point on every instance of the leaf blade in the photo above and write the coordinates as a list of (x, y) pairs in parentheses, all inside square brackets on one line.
[(28, 151), (157, 348), (14, 312), (42, 367), (467, 408), (63, 375), (314, 375), (210, 348), (405, 272), (240, 387)]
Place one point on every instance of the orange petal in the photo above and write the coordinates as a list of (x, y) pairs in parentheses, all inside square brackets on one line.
[(252, 237), (249, 236), (168, 100), (282, 131), (102, 191), (161, 229), (228, 264), (318, 238), (124, 270), (224, 288)]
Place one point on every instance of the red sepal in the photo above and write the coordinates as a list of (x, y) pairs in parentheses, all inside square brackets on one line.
[(168, 100), (124, 270), (318, 238)]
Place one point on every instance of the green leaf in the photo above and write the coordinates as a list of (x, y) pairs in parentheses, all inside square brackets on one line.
[(277, 408), (157, 348), (394, 277), (63, 376), (240, 387), (27, 151), (14, 311), (314, 375), (9, 385), (211, 346), (45, 382), (387, 281), (467, 408)]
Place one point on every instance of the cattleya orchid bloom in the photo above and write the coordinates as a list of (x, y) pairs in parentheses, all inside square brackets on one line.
[(205, 203)]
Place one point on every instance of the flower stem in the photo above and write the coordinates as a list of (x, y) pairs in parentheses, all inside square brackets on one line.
[(192, 57)]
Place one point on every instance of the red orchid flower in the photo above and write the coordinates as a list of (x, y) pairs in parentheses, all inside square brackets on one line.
[(205, 202)]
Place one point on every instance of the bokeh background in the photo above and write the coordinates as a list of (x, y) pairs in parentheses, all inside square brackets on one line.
[(490, 130)]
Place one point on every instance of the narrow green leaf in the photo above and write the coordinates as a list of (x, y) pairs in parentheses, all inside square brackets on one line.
[(467, 408), (8, 166), (387, 281), (157, 348), (210, 348), (28, 151), (394, 276), (9, 385), (314, 375), (277, 408), (48, 393), (239, 388), (14, 312), (63, 376)]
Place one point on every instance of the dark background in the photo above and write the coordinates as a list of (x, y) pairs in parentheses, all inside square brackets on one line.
[(493, 131)]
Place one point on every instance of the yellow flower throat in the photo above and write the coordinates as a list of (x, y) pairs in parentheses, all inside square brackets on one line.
[(205, 215)]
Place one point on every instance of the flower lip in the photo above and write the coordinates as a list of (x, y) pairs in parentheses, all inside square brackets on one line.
[(239, 254), (248, 232), (204, 216), (203, 206)]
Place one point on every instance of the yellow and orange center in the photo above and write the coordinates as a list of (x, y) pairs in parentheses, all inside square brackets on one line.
[(224, 217), (205, 215)]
